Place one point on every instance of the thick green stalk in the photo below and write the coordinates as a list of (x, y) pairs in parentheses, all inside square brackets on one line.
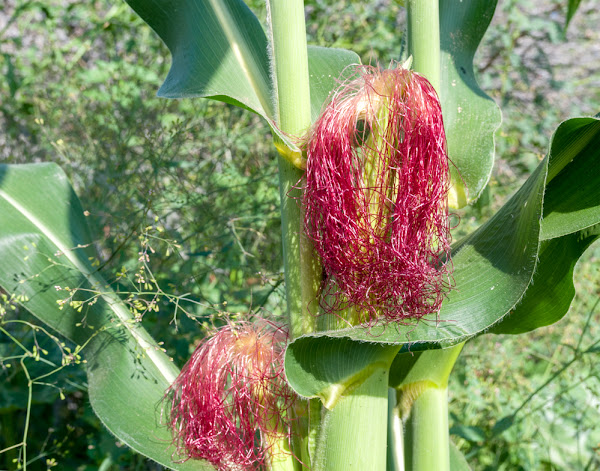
[(290, 60), (426, 444), (424, 38), (281, 457), (423, 393), (353, 433), (421, 381)]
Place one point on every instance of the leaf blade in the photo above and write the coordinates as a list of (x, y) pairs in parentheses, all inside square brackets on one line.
[(326, 68), (218, 50), (45, 244), (570, 225), (470, 116), (550, 295), (572, 200)]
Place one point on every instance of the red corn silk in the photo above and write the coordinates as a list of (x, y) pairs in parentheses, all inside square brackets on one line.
[(375, 197), (230, 395)]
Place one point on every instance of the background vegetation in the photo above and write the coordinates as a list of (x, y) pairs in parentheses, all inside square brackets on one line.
[(182, 197)]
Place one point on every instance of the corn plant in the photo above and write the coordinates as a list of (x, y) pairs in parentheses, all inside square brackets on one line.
[(380, 300)]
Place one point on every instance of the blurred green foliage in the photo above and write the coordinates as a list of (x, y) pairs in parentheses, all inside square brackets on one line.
[(182, 197)]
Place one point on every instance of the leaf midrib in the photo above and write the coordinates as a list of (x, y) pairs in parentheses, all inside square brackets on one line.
[(143, 339)]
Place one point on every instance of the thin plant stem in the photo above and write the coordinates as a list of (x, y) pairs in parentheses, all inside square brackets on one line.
[(290, 59), (576, 357), (292, 94), (426, 440), (395, 451), (424, 38), (27, 413)]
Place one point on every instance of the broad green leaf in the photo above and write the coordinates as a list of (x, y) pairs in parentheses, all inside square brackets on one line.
[(470, 116), (458, 462), (570, 225), (326, 69), (572, 7), (550, 295), (572, 200), (326, 368), (219, 50), (126, 390), (46, 254)]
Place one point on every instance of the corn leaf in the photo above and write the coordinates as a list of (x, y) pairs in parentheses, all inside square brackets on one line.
[(470, 116), (47, 257), (219, 50)]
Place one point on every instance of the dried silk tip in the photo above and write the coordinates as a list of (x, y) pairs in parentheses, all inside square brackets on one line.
[(375, 199), (231, 401)]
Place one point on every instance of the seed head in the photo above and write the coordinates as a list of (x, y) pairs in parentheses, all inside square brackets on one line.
[(231, 396), (375, 197)]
